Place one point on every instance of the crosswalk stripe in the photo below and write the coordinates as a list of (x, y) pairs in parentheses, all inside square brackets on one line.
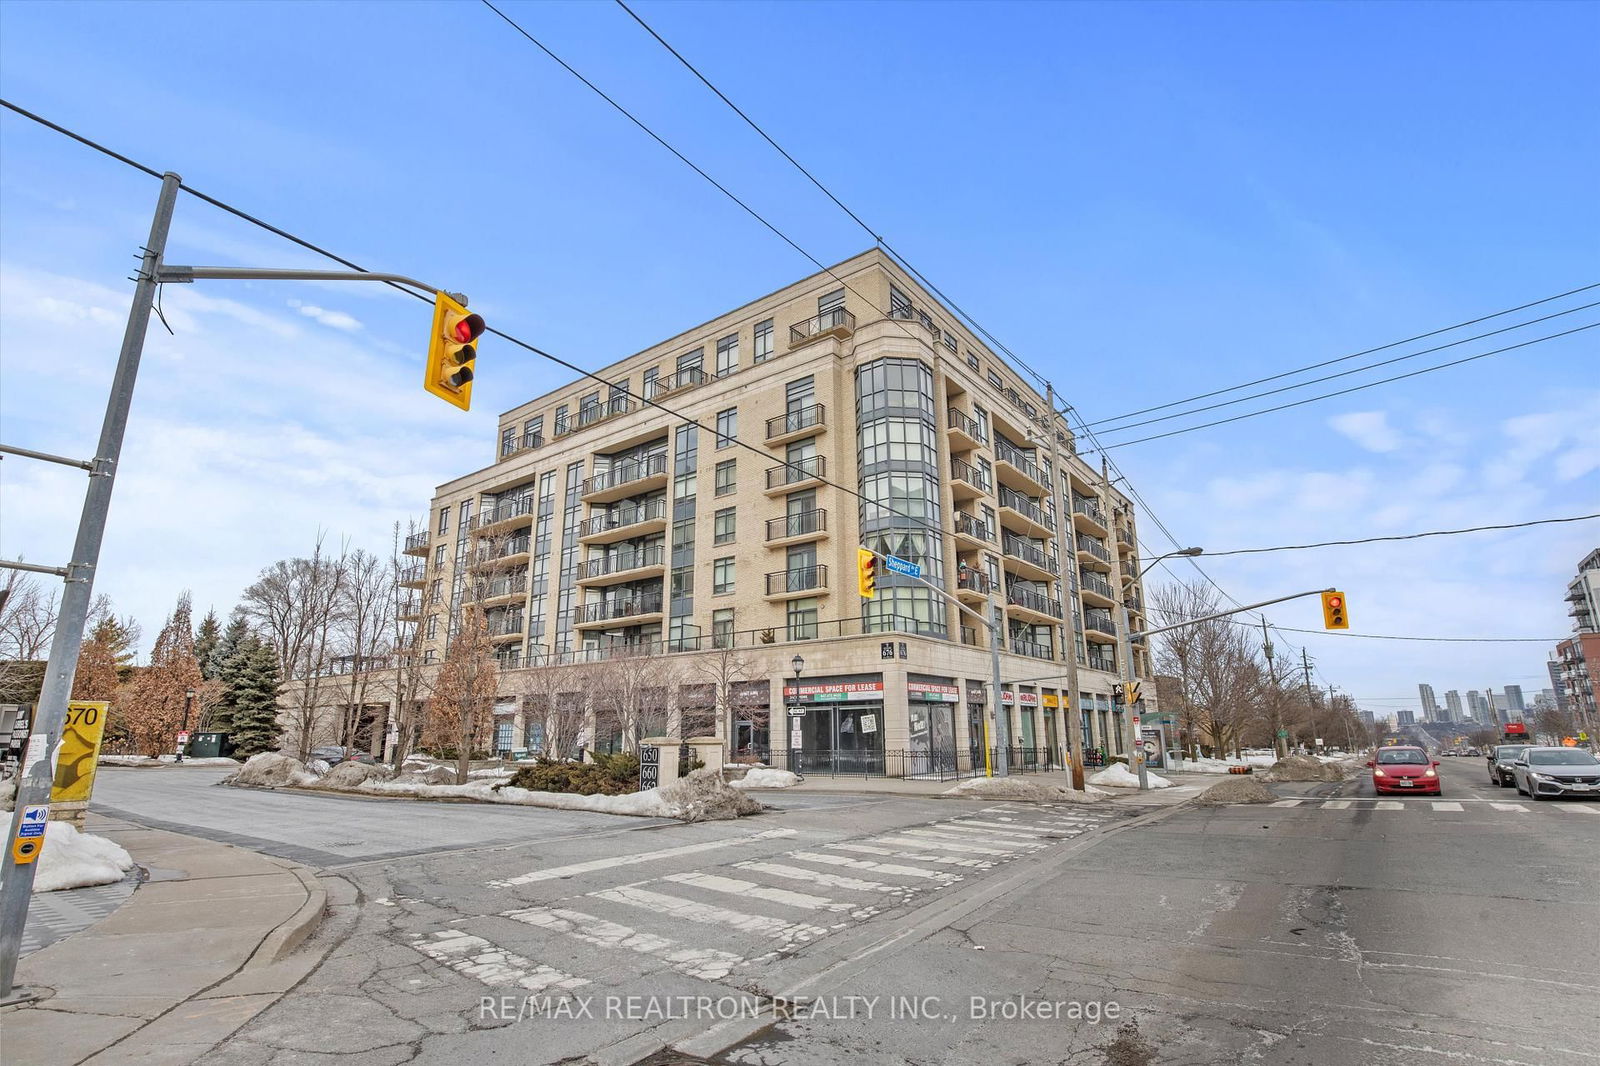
[(708, 964), (733, 886), (1573, 808), (1445, 805), (706, 914), (931, 840), (1519, 808), (957, 835), (816, 877), (1286, 803), (992, 831), (1335, 805), (1388, 805), (473, 956), (632, 860), (914, 856), (892, 869)]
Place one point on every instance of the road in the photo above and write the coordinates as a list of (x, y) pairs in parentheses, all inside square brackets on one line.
[(1324, 930)]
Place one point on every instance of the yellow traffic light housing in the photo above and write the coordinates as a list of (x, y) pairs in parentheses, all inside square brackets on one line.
[(451, 351), (1131, 693), (866, 573), (1334, 615)]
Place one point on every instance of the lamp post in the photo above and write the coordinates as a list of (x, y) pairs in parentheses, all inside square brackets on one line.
[(798, 664), (1125, 651), (183, 739)]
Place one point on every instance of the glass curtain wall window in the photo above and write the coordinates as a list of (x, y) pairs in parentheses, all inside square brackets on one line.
[(897, 449)]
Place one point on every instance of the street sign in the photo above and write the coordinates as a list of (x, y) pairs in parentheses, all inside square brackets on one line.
[(649, 766), (35, 816), (80, 750), (797, 712), (903, 567), (1282, 733)]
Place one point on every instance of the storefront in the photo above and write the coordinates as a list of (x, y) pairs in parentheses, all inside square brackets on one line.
[(931, 708), (838, 722), (1053, 733), (1022, 709)]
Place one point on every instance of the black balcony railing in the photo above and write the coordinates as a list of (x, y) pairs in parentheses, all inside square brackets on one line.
[(1018, 548), (969, 526), (960, 470), (800, 579), (504, 511), (1089, 509), (837, 321), (591, 413), (1093, 582), (683, 379), (413, 573), (1094, 548), (417, 540), (624, 473), (494, 552), (511, 585), (1031, 649), (622, 607), (959, 421), (1007, 454), (655, 555), (1102, 662), (799, 524), (505, 625), (1026, 506), (797, 421), (649, 511), (970, 580), (796, 471), (1033, 601), (1099, 621)]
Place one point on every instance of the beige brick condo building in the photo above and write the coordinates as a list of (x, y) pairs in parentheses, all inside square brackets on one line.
[(607, 532)]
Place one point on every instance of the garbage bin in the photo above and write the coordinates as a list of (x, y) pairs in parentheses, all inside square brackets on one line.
[(209, 745)]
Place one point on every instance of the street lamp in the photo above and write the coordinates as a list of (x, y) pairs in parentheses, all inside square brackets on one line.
[(798, 664), (188, 701), (1190, 552)]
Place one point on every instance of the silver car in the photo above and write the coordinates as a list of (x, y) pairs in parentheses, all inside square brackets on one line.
[(1501, 756), (1546, 772)]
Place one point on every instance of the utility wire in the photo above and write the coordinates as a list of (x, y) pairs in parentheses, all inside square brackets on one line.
[(1347, 373), (1437, 640), (1353, 388), (1343, 358), (1403, 536)]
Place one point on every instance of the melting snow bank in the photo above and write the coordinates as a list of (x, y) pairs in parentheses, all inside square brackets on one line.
[(1235, 790), (1119, 776), (701, 795), (1012, 788), (766, 777), (71, 859)]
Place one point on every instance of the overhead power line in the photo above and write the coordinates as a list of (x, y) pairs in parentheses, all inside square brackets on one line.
[(1343, 358), (1403, 536), (1431, 640), (1353, 388)]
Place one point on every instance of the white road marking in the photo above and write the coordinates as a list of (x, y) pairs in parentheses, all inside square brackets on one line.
[(956, 834), (1002, 836), (1575, 809), (1389, 805), (1285, 803), (892, 869), (705, 914), (815, 877), (915, 856), (1335, 805), (733, 886), (473, 956), (1519, 808), (633, 860), (706, 963), (1445, 805), (930, 841)]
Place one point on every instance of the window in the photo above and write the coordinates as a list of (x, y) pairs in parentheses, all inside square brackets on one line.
[(722, 628), (727, 355), (691, 360), (981, 417), (972, 360), (682, 582), (800, 394), (444, 520), (648, 389), (465, 520), (438, 558), (763, 346), (899, 303), (724, 526), (994, 379), (950, 340), (433, 627), (438, 589), (727, 477), (561, 419), (727, 427), (722, 575), (683, 534), (802, 618), (508, 440), (833, 301), (683, 486)]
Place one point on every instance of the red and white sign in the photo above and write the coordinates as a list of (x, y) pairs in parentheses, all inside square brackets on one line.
[(834, 690), (1029, 699), (933, 693), (183, 738)]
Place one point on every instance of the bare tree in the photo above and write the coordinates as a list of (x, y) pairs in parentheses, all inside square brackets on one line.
[(1214, 662), (157, 697), (461, 710), (366, 609), (295, 605), (724, 668), (623, 688), (556, 695), (410, 681), (27, 624)]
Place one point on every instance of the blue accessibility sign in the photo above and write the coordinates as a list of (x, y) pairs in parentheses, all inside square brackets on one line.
[(34, 819)]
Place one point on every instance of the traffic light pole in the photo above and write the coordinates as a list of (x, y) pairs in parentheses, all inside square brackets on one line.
[(180, 275), (37, 771)]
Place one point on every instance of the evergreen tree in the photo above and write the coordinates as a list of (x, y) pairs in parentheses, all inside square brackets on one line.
[(225, 647), (206, 639), (253, 686)]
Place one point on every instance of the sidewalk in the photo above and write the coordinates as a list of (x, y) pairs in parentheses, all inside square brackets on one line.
[(201, 948), (1185, 786)]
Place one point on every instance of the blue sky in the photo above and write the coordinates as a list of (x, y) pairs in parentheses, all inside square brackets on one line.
[(1146, 201)]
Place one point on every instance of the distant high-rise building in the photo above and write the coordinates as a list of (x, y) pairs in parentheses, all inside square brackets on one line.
[(1430, 706), (1476, 707), (1405, 717), (1452, 705), (1556, 685), (1366, 718), (1514, 699)]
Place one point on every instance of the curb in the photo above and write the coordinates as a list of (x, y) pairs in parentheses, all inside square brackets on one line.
[(300, 925)]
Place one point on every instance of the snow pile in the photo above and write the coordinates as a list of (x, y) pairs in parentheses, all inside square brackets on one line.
[(705, 795), (1119, 776), (211, 761), (1239, 789), (271, 770), (433, 774), (8, 789), (71, 859), (491, 771), (1305, 768), (127, 760), (348, 775), (640, 804), (1016, 788), (319, 767), (766, 777)]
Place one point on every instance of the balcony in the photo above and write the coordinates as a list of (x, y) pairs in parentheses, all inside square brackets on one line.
[(1133, 602), (1087, 516), (627, 479), (624, 566), (798, 473), (1094, 586), (640, 607), (966, 480), (417, 543), (594, 413), (971, 534), (1015, 469), (1023, 515), (801, 581), (518, 445), (624, 523), (835, 323), (410, 610), (803, 422), (511, 553), (502, 590), (964, 432), (972, 584), (1093, 553), (510, 514), (1029, 560), (1031, 649), (1107, 663), (413, 577), (682, 381), (1098, 627), (1125, 535), (508, 626), (1027, 602), (798, 527)]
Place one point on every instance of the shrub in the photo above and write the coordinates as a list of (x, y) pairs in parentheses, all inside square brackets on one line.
[(607, 775), (1123, 759)]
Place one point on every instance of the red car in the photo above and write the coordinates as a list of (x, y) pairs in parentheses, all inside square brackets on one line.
[(1402, 769)]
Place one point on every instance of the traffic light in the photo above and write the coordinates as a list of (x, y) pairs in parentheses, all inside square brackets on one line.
[(1130, 692), (451, 351), (1333, 612), (866, 573), (1118, 696)]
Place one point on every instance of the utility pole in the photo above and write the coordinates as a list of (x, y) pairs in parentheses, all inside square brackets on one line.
[(1275, 714), (37, 771), (1067, 553)]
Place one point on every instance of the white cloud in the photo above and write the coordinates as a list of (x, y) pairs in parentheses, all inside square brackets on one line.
[(332, 319), (1370, 429)]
